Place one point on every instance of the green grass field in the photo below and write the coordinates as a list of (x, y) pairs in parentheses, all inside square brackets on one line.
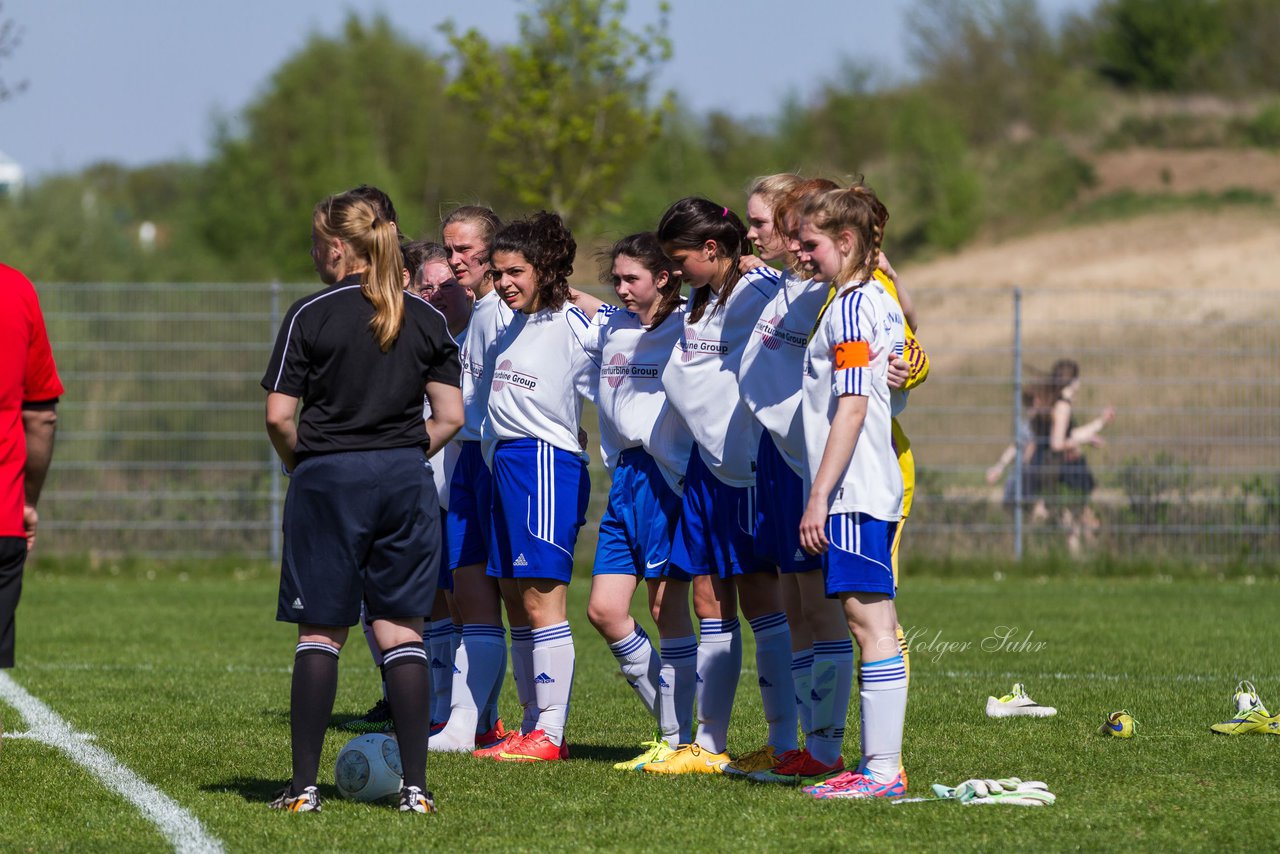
[(184, 679)]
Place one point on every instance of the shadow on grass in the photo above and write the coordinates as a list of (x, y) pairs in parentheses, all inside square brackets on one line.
[(260, 790), (602, 752)]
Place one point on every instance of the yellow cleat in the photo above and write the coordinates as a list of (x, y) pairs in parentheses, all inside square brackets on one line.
[(763, 759), (1119, 724), (1254, 720), (655, 751), (689, 759)]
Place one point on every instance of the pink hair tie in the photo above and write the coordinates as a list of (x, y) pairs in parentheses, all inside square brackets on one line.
[(724, 213)]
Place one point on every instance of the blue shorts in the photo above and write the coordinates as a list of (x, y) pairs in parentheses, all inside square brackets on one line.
[(470, 508), (781, 504), (360, 525), (714, 535), (539, 502), (857, 559), (639, 521)]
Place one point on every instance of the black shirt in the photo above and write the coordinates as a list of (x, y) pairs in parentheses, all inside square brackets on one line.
[(354, 396)]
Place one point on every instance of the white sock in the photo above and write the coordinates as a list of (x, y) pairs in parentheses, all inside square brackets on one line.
[(777, 690), (553, 660), (477, 665), (439, 638), (831, 681), (640, 665), (801, 669), (719, 666), (521, 667), (676, 688), (883, 691)]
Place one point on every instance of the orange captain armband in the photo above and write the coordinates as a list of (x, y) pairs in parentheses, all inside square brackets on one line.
[(853, 354)]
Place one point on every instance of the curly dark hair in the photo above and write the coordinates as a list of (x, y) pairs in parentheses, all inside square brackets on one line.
[(548, 245)]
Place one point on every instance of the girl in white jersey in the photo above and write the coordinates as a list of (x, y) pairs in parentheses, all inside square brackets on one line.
[(480, 660), (646, 448), (542, 371), (714, 538), (770, 378), (855, 484)]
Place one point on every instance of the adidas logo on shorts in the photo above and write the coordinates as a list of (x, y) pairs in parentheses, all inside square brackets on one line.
[(520, 561), (799, 555), (297, 605), (543, 679)]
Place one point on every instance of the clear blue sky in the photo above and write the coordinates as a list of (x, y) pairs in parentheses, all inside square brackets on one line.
[(136, 81)]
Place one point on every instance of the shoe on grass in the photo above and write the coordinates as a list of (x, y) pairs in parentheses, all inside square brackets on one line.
[(413, 799), (1255, 720), (798, 768), (689, 758), (537, 746), (853, 786), (1119, 724), (764, 759), (1017, 704), (654, 751), (377, 719), (308, 801), (492, 736), (1246, 698)]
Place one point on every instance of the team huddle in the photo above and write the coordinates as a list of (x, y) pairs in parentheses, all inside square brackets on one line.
[(756, 460)]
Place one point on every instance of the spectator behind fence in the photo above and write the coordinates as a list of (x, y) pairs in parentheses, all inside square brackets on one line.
[(29, 391), (1060, 472), (1024, 443)]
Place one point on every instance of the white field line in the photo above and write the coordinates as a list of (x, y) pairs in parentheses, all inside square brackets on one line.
[(181, 828), (1024, 676)]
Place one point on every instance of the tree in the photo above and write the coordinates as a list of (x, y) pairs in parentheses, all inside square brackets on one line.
[(994, 63), (366, 106), (1170, 45), (10, 38), (566, 109)]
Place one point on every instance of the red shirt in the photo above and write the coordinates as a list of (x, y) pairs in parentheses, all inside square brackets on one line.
[(27, 375)]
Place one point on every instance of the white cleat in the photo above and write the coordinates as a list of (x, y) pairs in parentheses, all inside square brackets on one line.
[(1017, 705)]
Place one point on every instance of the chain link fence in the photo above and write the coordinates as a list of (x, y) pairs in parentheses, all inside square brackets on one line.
[(162, 452), (1190, 469)]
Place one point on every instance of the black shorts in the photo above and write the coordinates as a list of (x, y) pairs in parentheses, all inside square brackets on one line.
[(360, 525)]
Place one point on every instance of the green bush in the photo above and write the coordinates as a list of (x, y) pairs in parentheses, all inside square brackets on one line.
[(1264, 128)]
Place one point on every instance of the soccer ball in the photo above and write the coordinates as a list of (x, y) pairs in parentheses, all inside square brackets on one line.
[(368, 768)]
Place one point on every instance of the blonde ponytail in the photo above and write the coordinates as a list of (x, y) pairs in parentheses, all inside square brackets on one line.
[(383, 282), (375, 241)]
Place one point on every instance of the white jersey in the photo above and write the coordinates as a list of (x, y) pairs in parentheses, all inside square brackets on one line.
[(542, 368), (489, 317), (701, 378), (849, 354), (773, 364), (633, 406), (444, 459)]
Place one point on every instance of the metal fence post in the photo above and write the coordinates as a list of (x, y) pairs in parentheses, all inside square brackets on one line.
[(276, 544), (1017, 423)]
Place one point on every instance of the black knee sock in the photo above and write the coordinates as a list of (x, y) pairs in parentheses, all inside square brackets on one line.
[(315, 683), (409, 693)]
